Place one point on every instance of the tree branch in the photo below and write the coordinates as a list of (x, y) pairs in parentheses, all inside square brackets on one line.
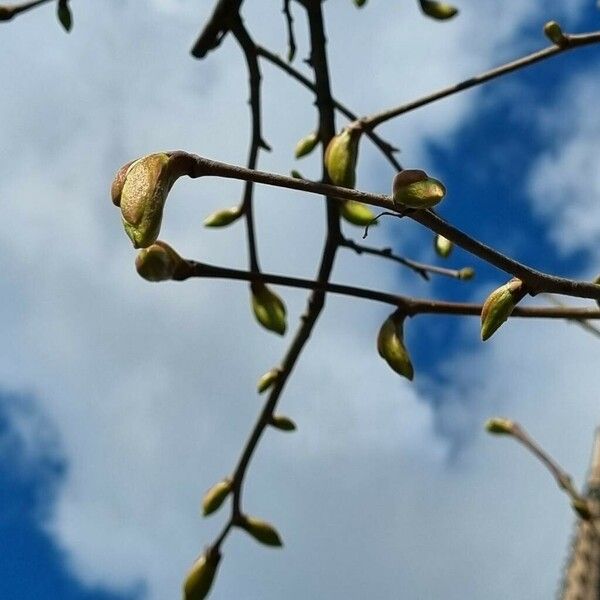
[(217, 27), (12, 10)]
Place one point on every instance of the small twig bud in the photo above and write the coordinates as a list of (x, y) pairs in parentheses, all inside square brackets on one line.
[(498, 306), (357, 213), (306, 145), (341, 156), (268, 308), (296, 174), (499, 426), (63, 12), (438, 10), (555, 34), (214, 498), (466, 273), (159, 262), (443, 246), (390, 345), (267, 380), (283, 423), (224, 217), (412, 188), (261, 531), (200, 577)]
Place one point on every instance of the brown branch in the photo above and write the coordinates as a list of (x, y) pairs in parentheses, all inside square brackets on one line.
[(12, 10), (386, 148), (536, 281), (410, 306), (571, 41), (421, 269)]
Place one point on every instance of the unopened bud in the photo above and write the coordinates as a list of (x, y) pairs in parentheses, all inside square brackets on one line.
[(443, 246), (268, 308), (222, 218), (158, 262), (499, 426), (261, 531), (215, 496), (554, 33), (306, 145), (412, 188), (142, 197), (582, 508), (390, 345), (341, 156), (466, 273), (296, 174), (267, 380), (63, 12), (438, 10), (357, 213), (283, 423), (200, 577), (499, 305)]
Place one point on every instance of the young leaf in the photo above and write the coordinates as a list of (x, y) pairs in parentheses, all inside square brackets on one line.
[(443, 246), (412, 188), (341, 156)]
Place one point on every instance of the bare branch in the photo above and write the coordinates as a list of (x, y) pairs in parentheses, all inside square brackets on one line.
[(10, 11)]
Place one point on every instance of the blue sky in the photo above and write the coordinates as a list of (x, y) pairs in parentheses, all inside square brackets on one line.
[(121, 401)]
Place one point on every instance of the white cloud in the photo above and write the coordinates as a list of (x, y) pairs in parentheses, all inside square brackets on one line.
[(150, 388)]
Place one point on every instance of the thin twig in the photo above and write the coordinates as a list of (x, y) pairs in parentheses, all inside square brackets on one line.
[(12, 10), (217, 27), (289, 19), (583, 324), (571, 41)]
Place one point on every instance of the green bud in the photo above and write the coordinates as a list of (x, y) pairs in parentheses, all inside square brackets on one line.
[(554, 33), (268, 308), (341, 156), (390, 345), (158, 262), (306, 145), (144, 191), (499, 426), (498, 306), (296, 174), (438, 10), (222, 218), (261, 531), (64, 15), (283, 423), (466, 273), (582, 508), (200, 577), (412, 188), (215, 496), (267, 380), (357, 213), (443, 246)]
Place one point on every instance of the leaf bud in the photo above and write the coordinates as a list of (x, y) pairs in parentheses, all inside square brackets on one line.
[(357, 213), (341, 156), (498, 306), (63, 12), (283, 423), (268, 308), (261, 531), (222, 218), (267, 380), (466, 273), (554, 33), (582, 507), (499, 426), (306, 145), (200, 577), (296, 174), (412, 188), (438, 10), (214, 498), (390, 345), (141, 193), (443, 246), (158, 262)]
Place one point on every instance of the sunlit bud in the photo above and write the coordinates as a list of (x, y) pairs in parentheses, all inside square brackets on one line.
[(64, 15), (357, 213), (341, 156), (498, 306), (261, 531), (201, 576), (158, 262), (499, 426), (438, 10), (443, 246), (268, 308), (412, 188), (306, 145), (144, 191), (215, 496), (390, 345), (466, 273), (582, 508), (222, 218), (267, 380), (296, 174), (554, 33), (283, 423)]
